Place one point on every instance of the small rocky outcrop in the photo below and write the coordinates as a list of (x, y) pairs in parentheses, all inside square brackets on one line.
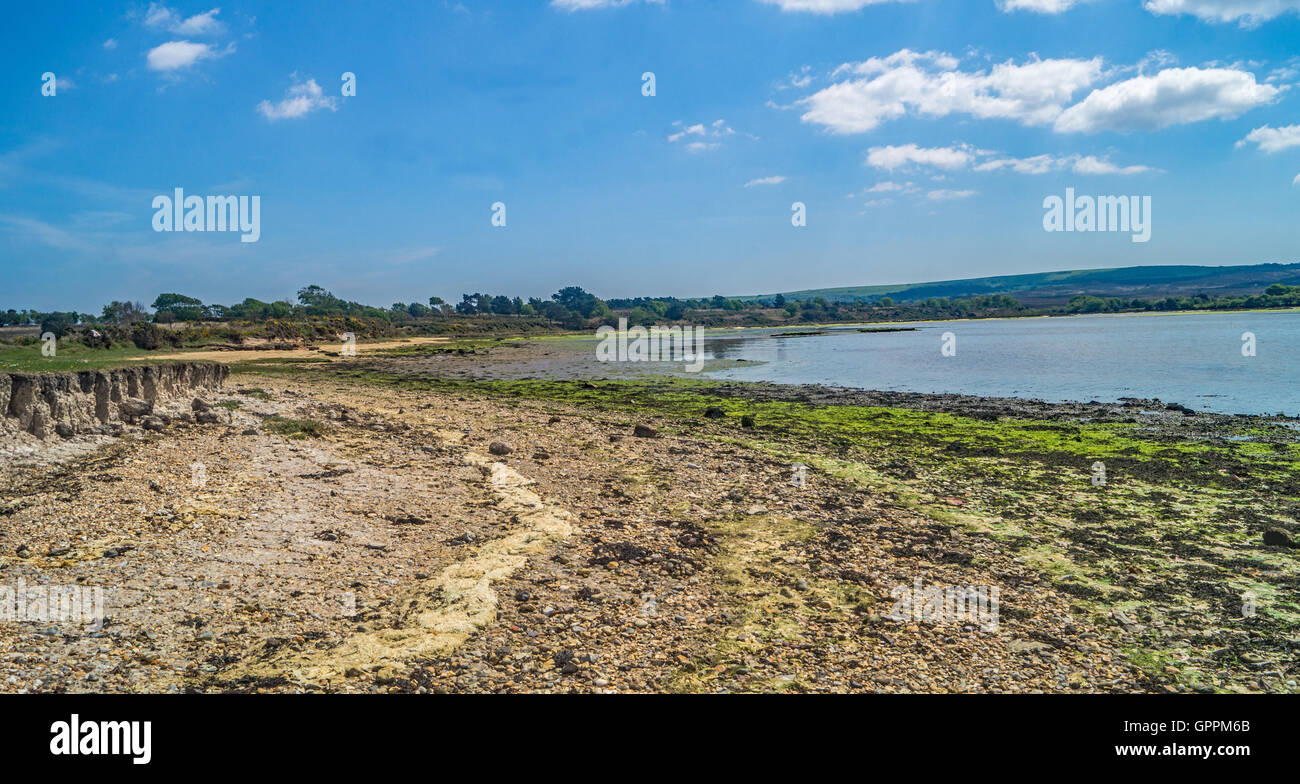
[(50, 405)]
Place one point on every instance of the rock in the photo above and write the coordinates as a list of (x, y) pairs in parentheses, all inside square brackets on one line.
[(156, 424), (645, 431), (199, 404), (1027, 646), (713, 412), (64, 429), (499, 449), (213, 416), (747, 421), (1276, 537), (37, 427), (134, 407)]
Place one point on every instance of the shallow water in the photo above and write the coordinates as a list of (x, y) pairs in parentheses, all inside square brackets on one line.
[(1193, 359)]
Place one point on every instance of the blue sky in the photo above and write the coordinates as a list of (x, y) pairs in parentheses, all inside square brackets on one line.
[(922, 137)]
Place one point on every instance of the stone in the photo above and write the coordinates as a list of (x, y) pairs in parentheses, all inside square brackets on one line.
[(154, 423), (134, 407), (1277, 537), (499, 449)]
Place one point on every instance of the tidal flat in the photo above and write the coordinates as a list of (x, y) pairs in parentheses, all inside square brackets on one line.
[(436, 522)]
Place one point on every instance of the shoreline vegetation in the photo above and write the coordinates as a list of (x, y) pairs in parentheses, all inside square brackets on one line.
[(125, 331)]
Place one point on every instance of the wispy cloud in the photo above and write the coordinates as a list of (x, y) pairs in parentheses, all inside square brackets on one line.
[(1044, 164), (827, 6), (949, 195), (700, 137), (774, 180), (1247, 13), (890, 157), (299, 100), (1038, 6), (44, 233), (591, 5), (160, 17)]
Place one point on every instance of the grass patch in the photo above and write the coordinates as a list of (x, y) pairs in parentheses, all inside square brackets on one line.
[(70, 356), (293, 428)]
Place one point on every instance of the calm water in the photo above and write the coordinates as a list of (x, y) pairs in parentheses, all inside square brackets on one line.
[(1195, 360)]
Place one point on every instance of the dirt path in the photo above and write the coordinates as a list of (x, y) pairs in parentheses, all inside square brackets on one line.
[(322, 351)]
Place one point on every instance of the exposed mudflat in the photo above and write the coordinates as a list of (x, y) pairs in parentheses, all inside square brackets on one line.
[(337, 534), (675, 562)]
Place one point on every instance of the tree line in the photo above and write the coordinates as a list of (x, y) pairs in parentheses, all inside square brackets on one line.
[(572, 307)]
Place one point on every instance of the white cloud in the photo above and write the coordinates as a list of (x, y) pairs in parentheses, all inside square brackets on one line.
[(1296, 181), (588, 5), (1043, 164), (962, 156), (1248, 13), (178, 54), (1272, 140), (1038, 164), (1091, 165), (110, 43), (700, 137), (930, 84), (776, 180), (878, 203), (827, 6), (1037, 6), (892, 157), (299, 100), (797, 81), (948, 195), (160, 17), (1172, 97)]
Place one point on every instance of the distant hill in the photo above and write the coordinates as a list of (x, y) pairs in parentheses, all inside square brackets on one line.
[(1052, 288)]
